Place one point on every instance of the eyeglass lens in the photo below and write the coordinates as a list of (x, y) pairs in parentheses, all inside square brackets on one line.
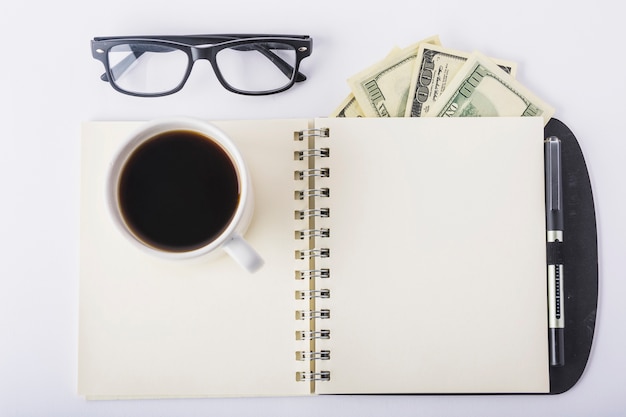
[(256, 66), (147, 68)]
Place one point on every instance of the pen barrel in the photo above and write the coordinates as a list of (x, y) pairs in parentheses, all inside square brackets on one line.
[(556, 313), (556, 316), (554, 220), (557, 346)]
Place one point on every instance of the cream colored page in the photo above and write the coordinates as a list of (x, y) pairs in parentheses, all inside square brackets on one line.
[(438, 273), (155, 328)]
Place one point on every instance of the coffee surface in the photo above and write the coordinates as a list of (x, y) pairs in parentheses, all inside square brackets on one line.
[(178, 191)]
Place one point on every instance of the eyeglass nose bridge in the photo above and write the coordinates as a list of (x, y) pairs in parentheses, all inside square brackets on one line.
[(201, 52)]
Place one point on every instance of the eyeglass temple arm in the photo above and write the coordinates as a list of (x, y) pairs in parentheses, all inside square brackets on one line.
[(283, 66)]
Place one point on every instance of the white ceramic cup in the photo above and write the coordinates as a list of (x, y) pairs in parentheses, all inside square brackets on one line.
[(230, 238)]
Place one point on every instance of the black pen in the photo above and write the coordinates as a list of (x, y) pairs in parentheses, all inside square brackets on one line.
[(554, 223)]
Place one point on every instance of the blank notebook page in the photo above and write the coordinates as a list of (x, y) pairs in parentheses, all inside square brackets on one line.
[(437, 256)]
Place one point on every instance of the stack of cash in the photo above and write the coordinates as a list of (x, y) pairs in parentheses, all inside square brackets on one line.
[(428, 80)]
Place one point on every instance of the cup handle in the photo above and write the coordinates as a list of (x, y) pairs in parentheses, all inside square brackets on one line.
[(243, 253)]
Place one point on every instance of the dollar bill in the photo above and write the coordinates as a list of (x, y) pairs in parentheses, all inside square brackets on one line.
[(348, 108), (383, 89), (435, 67), (481, 88)]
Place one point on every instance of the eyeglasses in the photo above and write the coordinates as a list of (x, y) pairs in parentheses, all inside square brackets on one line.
[(152, 66)]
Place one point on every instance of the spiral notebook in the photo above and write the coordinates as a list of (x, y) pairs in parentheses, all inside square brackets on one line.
[(402, 256)]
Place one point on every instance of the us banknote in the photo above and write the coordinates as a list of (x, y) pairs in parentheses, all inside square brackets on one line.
[(382, 90), (348, 108), (435, 67), (481, 88)]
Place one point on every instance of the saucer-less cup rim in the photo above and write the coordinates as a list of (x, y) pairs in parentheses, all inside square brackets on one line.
[(240, 219)]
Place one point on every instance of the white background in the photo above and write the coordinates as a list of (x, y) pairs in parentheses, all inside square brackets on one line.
[(569, 53)]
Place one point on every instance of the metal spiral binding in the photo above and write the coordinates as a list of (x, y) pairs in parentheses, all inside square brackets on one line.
[(312, 334), (312, 315), (313, 172), (313, 177), (313, 273), (308, 233), (302, 214), (313, 253), (313, 376), (312, 153), (322, 355), (312, 192), (308, 294), (322, 133)]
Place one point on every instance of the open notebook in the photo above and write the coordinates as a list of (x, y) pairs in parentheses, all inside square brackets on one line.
[(421, 241)]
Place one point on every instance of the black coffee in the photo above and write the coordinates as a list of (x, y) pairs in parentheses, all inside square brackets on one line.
[(178, 191)]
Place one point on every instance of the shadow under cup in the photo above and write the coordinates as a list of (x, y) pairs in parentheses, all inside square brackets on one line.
[(177, 191)]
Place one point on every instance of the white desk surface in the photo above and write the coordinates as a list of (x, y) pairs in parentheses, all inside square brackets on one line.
[(569, 53)]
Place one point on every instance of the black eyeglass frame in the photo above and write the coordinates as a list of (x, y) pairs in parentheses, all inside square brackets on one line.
[(198, 47)]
